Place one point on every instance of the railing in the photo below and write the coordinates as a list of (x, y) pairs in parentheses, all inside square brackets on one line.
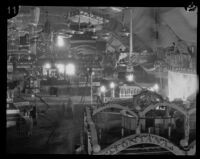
[(93, 146), (43, 101)]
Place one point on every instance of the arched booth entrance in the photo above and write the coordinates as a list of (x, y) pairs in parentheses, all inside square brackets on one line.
[(144, 138)]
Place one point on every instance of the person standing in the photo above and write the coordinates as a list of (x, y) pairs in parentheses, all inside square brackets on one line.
[(70, 107), (29, 124), (33, 115)]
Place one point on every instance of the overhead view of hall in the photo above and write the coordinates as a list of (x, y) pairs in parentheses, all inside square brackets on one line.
[(102, 80)]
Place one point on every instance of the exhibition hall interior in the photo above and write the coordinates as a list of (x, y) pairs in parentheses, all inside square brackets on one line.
[(102, 80)]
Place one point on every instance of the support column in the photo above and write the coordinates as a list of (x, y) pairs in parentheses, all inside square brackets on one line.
[(122, 124), (184, 142), (122, 132), (113, 93), (142, 122), (100, 133), (169, 132), (103, 97), (91, 91), (187, 127)]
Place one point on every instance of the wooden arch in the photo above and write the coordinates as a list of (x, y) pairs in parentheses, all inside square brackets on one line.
[(171, 105), (192, 148), (144, 138), (116, 106)]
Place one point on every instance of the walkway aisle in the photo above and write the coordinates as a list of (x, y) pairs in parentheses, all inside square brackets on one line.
[(67, 135), (63, 139), (63, 129)]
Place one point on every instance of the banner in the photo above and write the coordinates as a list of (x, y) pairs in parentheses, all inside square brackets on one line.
[(182, 85), (86, 46), (129, 91)]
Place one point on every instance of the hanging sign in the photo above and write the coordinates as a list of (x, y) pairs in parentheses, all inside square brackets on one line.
[(129, 91)]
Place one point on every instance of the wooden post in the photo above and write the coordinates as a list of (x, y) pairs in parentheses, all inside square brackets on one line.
[(113, 93), (169, 131), (138, 128), (100, 131), (149, 130), (138, 131), (91, 92), (140, 123), (122, 132), (187, 127), (93, 146), (89, 144)]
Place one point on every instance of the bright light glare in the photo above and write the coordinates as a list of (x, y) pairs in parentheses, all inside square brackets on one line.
[(182, 86), (156, 87), (130, 77), (112, 85), (61, 68), (70, 69), (60, 41), (103, 89), (47, 66), (117, 9)]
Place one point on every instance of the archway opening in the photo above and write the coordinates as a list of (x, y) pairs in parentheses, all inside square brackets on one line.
[(164, 121)]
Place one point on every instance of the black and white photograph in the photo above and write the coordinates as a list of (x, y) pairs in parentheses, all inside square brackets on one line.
[(101, 80)]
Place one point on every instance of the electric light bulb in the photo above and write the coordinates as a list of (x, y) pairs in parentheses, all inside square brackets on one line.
[(70, 69)]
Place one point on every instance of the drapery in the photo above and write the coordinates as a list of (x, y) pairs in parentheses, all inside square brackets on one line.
[(182, 85)]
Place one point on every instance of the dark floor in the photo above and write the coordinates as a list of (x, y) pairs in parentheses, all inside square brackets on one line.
[(57, 132)]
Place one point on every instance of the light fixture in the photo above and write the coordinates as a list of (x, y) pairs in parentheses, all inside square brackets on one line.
[(130, 77), (60, 41), (155, 88), (93, 29), (94, 37), (72, 32), (79, 32), (124, 32), (105, 36), (29, 57), (116, 9), (61, 68), (66, 31), (112, 85), (70, 69), (47, 66), (103, 89)]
